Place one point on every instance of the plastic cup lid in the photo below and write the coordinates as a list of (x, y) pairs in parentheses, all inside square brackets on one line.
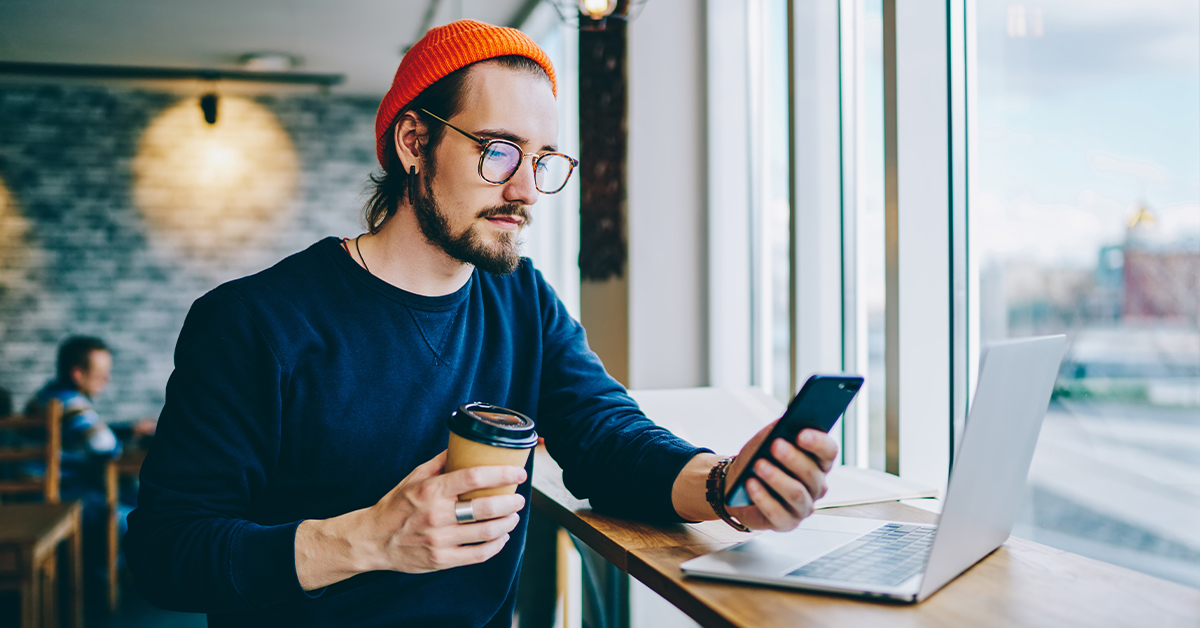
[(493, 425)]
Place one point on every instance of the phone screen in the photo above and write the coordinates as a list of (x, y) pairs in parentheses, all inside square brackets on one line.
[(821, 401)]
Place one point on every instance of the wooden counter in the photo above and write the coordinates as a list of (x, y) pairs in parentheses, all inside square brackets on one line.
[(1022, 584)]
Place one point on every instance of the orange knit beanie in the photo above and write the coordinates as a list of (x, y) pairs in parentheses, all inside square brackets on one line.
[(442, 51)]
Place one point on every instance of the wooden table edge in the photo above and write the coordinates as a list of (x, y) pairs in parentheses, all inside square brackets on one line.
[(660, 571)]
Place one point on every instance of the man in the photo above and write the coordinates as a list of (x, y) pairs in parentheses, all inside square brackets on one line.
[(83, 371), (297, 476)]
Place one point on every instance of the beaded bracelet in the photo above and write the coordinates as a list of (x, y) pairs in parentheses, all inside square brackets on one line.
[(715, 493)]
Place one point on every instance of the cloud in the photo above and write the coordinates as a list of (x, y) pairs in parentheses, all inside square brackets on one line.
[(1100, 12), (1085, 38), (1181, 222), (1140, 170), (1052, 235)]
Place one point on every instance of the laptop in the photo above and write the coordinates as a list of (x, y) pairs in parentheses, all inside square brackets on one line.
[(909, 562)]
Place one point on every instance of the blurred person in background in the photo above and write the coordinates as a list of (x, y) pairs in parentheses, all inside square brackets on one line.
[(83, 371)]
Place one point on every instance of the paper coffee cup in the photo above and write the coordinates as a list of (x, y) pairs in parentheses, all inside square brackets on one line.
[(484, 435)]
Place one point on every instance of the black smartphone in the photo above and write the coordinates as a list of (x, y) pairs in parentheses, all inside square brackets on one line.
[(821, 400)]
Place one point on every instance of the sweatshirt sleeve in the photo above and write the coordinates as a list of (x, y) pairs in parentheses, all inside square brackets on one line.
[(191, 544), (610, 453), (82, 426)]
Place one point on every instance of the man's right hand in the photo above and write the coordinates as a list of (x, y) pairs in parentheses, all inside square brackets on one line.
[(413, 528)]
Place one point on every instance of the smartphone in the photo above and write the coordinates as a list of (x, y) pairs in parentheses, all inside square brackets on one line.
[(818, 405)]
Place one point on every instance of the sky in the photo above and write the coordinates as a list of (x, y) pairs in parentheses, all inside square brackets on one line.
[(1096, 109)]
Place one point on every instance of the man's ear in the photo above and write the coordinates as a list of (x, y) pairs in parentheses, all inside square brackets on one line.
[(78, 373), (410, 140)]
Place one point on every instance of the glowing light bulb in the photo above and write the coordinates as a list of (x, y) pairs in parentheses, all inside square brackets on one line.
[(597, 9), (214, 190)]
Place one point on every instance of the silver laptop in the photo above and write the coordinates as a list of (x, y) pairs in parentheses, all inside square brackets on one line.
[(909, 562)]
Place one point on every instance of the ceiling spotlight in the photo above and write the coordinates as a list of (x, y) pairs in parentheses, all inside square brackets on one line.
[(208, 104), (268, 61)]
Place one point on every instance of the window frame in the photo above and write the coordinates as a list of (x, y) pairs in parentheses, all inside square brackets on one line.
[(926, 197), (932, 335)]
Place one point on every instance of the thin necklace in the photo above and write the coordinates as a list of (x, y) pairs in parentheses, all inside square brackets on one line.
[(360, 257)]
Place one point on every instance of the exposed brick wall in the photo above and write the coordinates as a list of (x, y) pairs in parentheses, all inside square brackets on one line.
[(77, 256)]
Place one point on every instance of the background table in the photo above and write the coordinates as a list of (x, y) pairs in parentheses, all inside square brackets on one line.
[(29, 537)]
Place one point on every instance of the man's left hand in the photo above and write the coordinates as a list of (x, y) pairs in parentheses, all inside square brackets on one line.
[(797, 485)]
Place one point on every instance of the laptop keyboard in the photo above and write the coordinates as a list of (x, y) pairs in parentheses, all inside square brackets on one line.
[(887, 556)]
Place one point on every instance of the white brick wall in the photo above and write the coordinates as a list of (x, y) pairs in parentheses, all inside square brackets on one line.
[(77, 256)]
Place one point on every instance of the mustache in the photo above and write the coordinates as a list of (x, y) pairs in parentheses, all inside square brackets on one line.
[(511, 209)]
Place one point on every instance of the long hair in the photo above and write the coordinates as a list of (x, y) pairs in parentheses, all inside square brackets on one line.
[(389, 187)]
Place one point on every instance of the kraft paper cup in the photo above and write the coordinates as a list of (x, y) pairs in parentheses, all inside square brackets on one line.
[(483, 435)]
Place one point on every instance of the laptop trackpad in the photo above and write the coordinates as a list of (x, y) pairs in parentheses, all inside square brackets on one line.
[(778, 552)]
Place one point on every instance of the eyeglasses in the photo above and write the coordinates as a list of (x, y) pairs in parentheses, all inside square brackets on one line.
[(499, 160)]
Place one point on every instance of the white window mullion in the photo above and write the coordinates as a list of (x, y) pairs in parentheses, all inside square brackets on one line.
[(855, 429), (972, 129), (761, 270), (919, 205), (960, 339)]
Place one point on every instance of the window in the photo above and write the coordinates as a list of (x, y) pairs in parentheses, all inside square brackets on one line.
[(1046, 164), (771, 198), (866, 71), (1085, 217), (552, 240)]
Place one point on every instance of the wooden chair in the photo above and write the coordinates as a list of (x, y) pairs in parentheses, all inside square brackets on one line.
[(19, 427), (111, 492), (50, 453)]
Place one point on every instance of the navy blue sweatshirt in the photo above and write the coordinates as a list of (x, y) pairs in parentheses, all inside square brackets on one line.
[(312, 388)]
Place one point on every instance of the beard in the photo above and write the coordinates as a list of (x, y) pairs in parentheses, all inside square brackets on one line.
[(468, 247)]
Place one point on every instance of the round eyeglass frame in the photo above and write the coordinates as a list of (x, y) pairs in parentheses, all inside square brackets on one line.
[(484, 144)]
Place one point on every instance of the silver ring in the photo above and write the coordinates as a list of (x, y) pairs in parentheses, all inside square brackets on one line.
[(464, 512)]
